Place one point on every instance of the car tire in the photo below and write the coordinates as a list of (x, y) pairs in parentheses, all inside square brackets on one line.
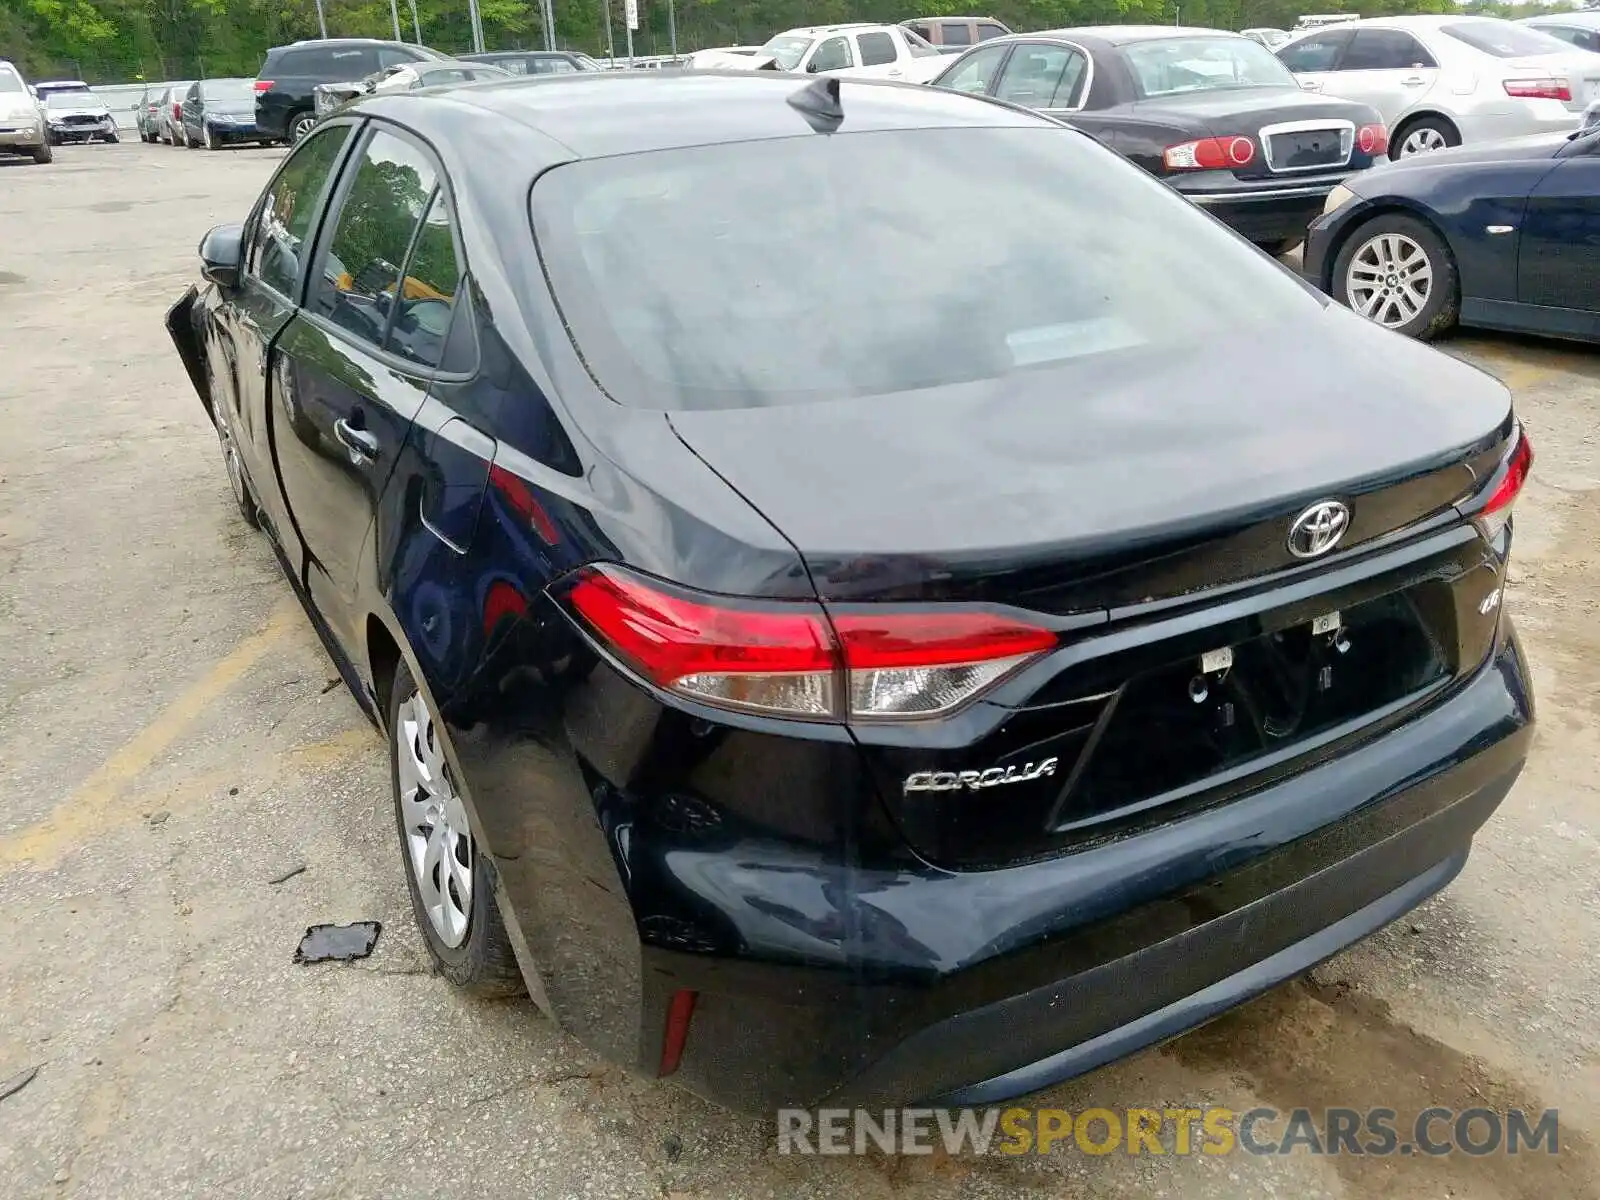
[(298, 125), (1280, 247), (44, 152), (1422, 135), (1396, 240), (231, 463), (466, 938)]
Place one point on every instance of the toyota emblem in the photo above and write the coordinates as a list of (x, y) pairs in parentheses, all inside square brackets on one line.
[(1318, 529)]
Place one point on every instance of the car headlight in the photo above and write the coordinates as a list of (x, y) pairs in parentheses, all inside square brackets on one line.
[(1337, 198)]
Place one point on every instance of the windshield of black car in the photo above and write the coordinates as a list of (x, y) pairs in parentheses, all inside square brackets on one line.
[(10, 81), (1167, 66), (226, 91), (1502, 39), (81, 98), (815, 268), (787, 49)]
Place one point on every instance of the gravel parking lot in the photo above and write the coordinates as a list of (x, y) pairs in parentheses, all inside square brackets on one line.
[(188, 788)]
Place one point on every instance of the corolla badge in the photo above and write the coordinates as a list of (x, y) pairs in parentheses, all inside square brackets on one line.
[(953, 781), (1318, 529)]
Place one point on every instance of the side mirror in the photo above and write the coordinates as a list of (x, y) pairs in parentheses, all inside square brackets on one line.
[(812, 68), (222, 255)]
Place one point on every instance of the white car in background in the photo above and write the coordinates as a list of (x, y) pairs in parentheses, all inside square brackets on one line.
[(1581, 29), (1443, 81), (873, 51)]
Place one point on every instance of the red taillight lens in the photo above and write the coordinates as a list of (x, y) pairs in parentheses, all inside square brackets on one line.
[(789, 659), (1538, 89), (263, 85), (1210, 154), (177, 112), (1496, 510), (775, 658), (1373, 139)]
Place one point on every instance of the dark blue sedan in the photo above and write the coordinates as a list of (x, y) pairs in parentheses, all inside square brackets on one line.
[(1505, 236)]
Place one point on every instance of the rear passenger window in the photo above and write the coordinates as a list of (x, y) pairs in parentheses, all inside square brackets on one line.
[(876, 49), (278, 241), (955, 33), (988, 29), (428, 291), (1385, 50), (360, 277), (556, 66)]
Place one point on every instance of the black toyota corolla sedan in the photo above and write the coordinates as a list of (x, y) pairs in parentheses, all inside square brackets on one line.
[(850, 620), (1214, 114)]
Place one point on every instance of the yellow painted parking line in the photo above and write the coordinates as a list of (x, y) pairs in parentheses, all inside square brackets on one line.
[(91, 806)]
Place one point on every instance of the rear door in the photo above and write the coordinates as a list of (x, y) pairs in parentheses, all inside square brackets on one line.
[(1386, 68), (1045, 76), (1314, 59), (1558, 260), (354, 365), (278, 239)]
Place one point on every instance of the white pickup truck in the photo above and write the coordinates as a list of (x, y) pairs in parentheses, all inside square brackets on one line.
[(875, 51)]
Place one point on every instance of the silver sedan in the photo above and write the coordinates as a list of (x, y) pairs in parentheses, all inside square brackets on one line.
[(1446, 80)]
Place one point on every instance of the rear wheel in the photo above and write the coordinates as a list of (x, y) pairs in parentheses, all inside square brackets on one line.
[(43, 152), (1423, 136), (299, 125), (1398, 272), (450, 881)]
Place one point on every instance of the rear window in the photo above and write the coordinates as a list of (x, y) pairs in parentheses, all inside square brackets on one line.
[(335, 65), (1502, 39), (1167, 66), (816, 268), (10, 81)]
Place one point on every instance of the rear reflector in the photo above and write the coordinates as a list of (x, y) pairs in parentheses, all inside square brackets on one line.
[(1538, 89), (676, 1035), (789, 659)]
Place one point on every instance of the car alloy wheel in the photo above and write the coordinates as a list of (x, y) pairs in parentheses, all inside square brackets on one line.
[(438, 837), (301, 126), (1389, 279), (1423, 139), (235, 467)]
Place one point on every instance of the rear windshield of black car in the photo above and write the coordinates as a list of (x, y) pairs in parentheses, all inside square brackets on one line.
[(1502, 39), (822, 267), (1168, 66)]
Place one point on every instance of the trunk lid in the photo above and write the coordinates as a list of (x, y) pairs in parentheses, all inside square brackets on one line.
[(1113, 480)]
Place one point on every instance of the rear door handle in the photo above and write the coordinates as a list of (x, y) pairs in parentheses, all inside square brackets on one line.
[(1414, 81), (362, 446), (1311, 85)]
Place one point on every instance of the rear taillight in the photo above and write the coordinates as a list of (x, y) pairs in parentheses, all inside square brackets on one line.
[(1507, 486), (1210, 154), (1373, 139), (177, 112), (263, 85), (1539, 89), (789, 659)]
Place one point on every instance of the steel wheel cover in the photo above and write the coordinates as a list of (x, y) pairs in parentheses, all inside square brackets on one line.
[(438, 838), (1389, 279)]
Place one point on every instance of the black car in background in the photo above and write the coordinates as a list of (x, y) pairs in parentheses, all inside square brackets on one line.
[(843, 680), (1214, 114), (285, 88), (1503, 236), (537, 62), (220, 112)]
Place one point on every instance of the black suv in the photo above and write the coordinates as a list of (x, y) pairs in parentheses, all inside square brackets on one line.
[(284, 109)]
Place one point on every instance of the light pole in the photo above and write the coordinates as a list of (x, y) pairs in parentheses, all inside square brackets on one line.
[(672, 27), (394, 11), (322, 21), (416, 22)]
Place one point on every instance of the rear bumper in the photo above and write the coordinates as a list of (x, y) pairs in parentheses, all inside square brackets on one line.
[(817, 979), (1266, 214), (15, 139)]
